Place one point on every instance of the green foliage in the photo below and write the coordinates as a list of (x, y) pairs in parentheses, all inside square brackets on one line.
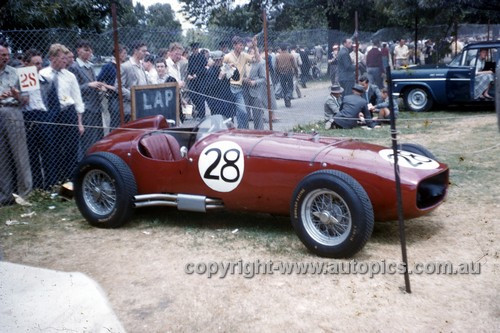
[(94, 15), (339, 14), (161, 16), (84, 14), (245, 18)]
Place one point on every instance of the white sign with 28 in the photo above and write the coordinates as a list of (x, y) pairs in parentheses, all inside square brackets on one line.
[(222, 165)]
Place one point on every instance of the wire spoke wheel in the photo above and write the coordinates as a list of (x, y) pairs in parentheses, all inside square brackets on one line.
[(99, 192), (326, 217), (332, 214), (104, 190)]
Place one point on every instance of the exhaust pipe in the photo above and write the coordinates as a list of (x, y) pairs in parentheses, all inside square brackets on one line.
[(187, 202)]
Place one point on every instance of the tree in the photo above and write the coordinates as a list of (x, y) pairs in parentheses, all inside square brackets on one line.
[(199, 11), (245, 18), (83, 14), (161, 16)]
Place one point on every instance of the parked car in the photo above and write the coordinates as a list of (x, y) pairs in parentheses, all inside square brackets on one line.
[(332, 188), (423, 86)]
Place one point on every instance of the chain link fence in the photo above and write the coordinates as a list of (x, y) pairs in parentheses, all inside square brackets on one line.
[(40, 147)]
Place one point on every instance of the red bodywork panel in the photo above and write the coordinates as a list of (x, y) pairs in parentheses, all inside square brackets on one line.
[(274, 164)]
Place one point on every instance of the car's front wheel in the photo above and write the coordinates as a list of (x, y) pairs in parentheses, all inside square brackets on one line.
[(104, 190), (417, 149), (417, 99), (332, 214)]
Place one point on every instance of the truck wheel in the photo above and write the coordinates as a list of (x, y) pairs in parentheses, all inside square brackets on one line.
[(104, 190), (417, 99), (332, 214)]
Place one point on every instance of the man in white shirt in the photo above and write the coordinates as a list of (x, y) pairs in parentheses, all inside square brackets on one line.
[(37, 138), (149, 67), (66, 113), (401, 54), (174, 57)]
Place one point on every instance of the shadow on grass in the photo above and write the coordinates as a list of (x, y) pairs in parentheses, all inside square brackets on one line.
[(164, 216), (231, 231)]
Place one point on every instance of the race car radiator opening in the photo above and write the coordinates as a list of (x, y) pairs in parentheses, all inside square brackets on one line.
[(432, 191)]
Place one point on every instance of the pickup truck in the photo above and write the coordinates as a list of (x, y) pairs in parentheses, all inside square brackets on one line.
[(421, 87)]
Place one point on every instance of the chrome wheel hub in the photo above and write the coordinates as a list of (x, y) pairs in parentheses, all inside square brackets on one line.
[(99, 192), (326, 217)]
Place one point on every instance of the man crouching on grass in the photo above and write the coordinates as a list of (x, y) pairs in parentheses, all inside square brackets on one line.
[(382, 109), (353, 111)]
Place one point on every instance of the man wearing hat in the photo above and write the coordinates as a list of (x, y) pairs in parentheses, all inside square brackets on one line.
[(353, 109), (196, 79), (332, 104)]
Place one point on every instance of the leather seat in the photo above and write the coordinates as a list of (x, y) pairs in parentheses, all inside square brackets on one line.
[(161, 147)]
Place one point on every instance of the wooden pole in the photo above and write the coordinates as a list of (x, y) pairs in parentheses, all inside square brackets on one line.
[(416, 37), (497, 95), (266, 53), (488, 30), (456, 38), (356, 48), (117, 59)]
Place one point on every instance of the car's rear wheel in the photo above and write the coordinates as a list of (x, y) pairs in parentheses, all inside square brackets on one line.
[(417, 99), (332, 214), (104, 190)]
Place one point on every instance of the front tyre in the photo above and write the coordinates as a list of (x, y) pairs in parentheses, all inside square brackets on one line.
[(417, 149), (332, 214), (417, 99), (104, 190)]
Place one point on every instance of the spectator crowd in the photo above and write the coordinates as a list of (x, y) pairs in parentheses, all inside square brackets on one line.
[(76, 105), (45, 132)]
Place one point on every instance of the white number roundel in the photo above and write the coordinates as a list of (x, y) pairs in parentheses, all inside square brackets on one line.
[(222, 165), (407, 159)]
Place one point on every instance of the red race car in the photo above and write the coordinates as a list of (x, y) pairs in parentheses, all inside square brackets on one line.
[(332, 188)]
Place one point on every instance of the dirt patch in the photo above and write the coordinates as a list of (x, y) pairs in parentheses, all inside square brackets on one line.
[(142, 266)]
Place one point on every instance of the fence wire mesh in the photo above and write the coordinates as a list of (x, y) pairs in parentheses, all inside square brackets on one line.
[(41, 142)]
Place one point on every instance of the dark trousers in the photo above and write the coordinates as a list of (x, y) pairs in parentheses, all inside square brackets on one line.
[(197, 96), (286, 80), (114, 110), (38, 137), (304, 74), (92, 121), (65, 144)]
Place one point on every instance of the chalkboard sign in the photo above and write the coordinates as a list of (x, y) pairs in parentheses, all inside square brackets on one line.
[(151, 100)]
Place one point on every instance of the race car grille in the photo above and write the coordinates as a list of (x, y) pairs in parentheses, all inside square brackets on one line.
[(432, 191)]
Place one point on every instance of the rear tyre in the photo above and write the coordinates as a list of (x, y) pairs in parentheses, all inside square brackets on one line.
[(417, 149), (418, 99), (332, 214), (104, 190)]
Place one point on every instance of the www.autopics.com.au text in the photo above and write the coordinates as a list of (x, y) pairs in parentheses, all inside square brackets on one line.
[(249, 269)]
